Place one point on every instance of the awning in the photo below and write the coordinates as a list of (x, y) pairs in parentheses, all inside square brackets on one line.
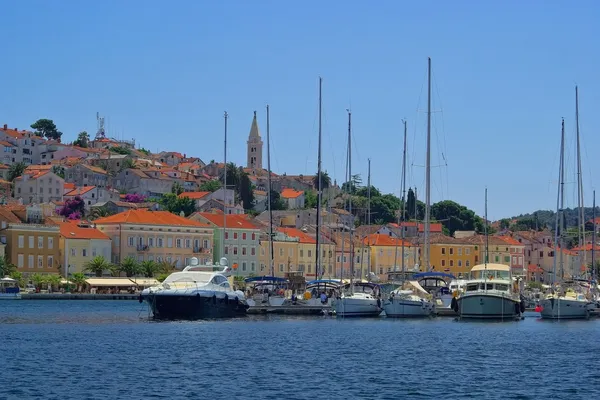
[(110, 282), (146, 282), (418, 287)]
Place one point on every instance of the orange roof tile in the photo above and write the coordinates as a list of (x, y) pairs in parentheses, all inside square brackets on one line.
[(147, 217), (5, 143), (80, 190), (290, 193), (95, 169), (194, 195), (69, 186), (72, 230), (234, 221), (376, 239), (511, 241), (297, 233)]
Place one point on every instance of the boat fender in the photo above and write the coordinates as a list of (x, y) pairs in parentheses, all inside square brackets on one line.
[(141, 299), (454, 304)]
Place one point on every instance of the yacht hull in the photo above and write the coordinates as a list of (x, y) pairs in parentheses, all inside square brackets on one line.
[(487, 306), (404, 308), (194, 306), (560, 308), (357, 307), (10, 296)]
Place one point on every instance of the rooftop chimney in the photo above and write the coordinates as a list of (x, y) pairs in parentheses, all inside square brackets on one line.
[(5, 127)]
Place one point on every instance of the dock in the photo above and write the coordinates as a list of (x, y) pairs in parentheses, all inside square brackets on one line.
[(78, 296), (290, 310)]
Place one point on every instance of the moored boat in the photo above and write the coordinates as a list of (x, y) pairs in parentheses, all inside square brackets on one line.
[(196, 292), (9, 289), (359, 299), (570, 303)]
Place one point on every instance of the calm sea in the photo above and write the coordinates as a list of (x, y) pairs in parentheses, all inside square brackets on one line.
[(111, 350)]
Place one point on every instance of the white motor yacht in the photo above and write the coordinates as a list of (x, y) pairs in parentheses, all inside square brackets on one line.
[(489, 294), (266, 291), (9, 289), (196, 292), (406, 303), (568, 303), (358, 299)]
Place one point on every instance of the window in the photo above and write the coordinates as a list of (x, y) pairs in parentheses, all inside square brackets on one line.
[(73, 251), (234, 250), (226, 235), (467, 251), (40, 262), (244, 251), (178, 243), (50, 243), (507, 259), (130, 241), (451, 250), (188, 243), (244, 236), (150, 242), (94, 252), (31, 241), (280, 252), (253, 236), (226, 249), (40, 242), (159, 242), (243, 266), (310, 255), (205, 243), (460, 263), (460, 251), (452, 263), (302, 254), (84, 252), (252, 266), (253, 252), (21, 241), (467, 263), (30, 261), (20, 260), (443, 263), (280, 267), (520, 260), (169, 242), (234, 235), (514, 260), (443, 250)]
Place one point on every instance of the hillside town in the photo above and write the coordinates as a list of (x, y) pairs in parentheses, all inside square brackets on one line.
[(100, 206)]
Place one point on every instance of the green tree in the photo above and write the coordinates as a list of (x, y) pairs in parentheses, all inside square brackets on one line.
[(16, 170), (46, 128), (54, 281), (78, 279), (245, 190), (504, 223), (38, 280), (83, 140), (145, 151), (59, 170), (177, 189), (120, 150), (6, 268), (364, 191), (410, 203), (99, 212), (17, 276), (128, 163), (97, 266), (148, 268), (310, 199), (130, 266), (210, 186), (352, 185), (455, 216), (277, 203), (172, 203), (385, 207), (325, 180)]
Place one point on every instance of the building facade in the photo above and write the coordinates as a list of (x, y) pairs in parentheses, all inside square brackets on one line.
[(33, 248), (255, 147), (79, 243), (39, 187)]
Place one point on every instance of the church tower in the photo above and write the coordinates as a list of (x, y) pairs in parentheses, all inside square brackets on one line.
[(255, 147)]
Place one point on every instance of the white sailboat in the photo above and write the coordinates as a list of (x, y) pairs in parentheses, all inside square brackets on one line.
[(490, 293), (566, 300), (404, 301), (357, 299)]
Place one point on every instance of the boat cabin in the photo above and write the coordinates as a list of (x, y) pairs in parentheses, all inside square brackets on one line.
[(9, 285), (434, 282), (363, 287)]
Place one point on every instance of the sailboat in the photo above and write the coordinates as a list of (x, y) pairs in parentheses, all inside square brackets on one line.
[(490, 293), (357, 299), (566, 300), (405, 302)]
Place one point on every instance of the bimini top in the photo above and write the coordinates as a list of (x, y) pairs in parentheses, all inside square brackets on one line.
[(265, 279), (318, 281), (433, 275), (491, 267)]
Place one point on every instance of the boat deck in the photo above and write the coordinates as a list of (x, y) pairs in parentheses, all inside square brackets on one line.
[(290, 310)]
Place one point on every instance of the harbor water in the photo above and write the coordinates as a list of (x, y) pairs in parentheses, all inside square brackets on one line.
[(113, 350)]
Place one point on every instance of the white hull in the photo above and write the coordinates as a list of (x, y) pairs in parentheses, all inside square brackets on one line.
[(357, 306), (10, 296), (565, 308), (402, 308), (271, 301), (487, 306)]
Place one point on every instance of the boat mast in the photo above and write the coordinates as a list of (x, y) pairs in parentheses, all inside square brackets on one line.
[(580, 213), (562, 199), (403, 196), (593, 271), (225, 185), (427, 170), (485, 230), (368, 219), (319, 189), (350, 201), (271, 248)]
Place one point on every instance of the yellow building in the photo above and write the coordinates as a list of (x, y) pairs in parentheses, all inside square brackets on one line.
[(448, 254), (285, 254), (79, 243), (306, 253), (386, 255), (498, 249), (33, 248)]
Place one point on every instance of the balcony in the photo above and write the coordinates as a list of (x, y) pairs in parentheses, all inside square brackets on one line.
[(142, 247), (201, 250)]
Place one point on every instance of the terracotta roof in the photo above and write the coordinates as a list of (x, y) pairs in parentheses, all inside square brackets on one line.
[(234, 221), (36, 168), (434, 227), (69, 186), (6, 214), (80, 190), (72, 230), (290, 193), (376, 239), (438, 238), (7, 144), (481, 240), (297, 233), (512, 241), (4, 166), (194, 195), (534, 268), (147, 217), (95, 169), (33, 175), (13, 132)]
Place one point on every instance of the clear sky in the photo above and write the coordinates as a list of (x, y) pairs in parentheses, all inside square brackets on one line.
[(164, 73)]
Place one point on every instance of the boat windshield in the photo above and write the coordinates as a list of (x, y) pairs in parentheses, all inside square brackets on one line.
[(491, 274)]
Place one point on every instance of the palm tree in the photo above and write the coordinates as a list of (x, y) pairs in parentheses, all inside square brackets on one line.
[(38, 280), (149, 268), (97, 266), (165, 267), (99, 212), (17, 276), (78, 279), (130, 266), (6, 268), (53, 280), (16, 170), (325, 180)]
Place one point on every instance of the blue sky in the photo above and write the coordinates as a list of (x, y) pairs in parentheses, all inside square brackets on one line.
[(164, 73)]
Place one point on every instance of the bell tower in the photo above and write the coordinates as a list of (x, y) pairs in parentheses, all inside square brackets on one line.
[(255, 146)]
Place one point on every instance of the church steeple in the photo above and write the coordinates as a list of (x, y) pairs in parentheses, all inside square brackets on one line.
[(255, 146)]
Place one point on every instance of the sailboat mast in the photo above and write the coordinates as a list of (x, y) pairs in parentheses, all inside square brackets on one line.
[(593, 270), (271, 249), (558, 216), (368, 217), (319, 189), (225, 116), (350, 200), (427, 170), (403, 195), (562, 199), (485, 230), (580, 213)]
